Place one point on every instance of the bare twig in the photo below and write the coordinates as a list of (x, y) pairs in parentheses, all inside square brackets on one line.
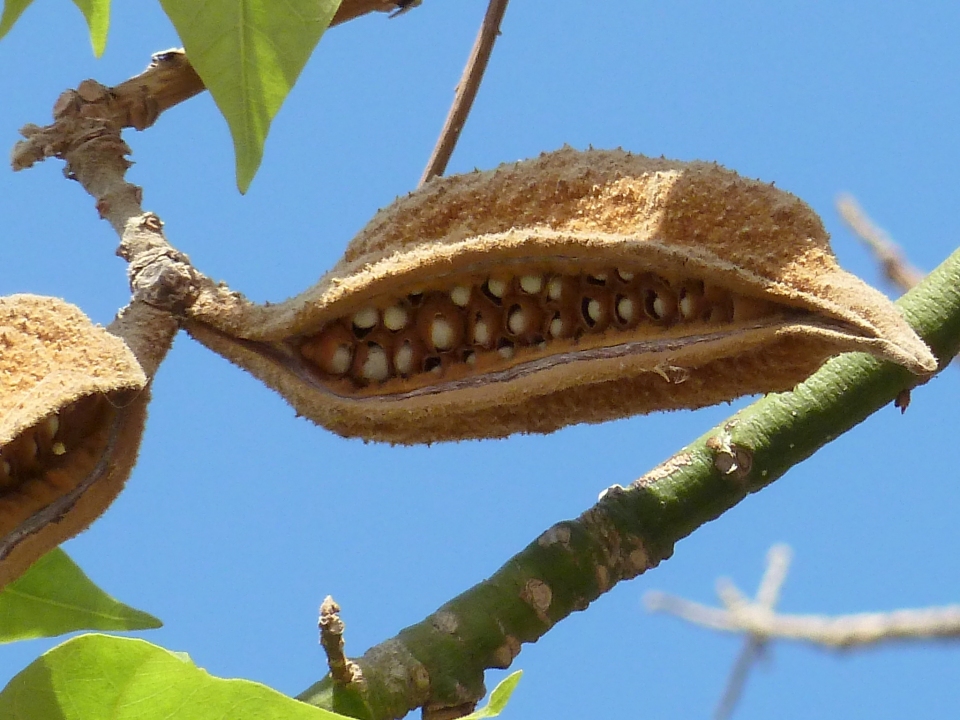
[(840, 632), (170, 79), (350, 9), (86, 134), (466, 90), (778, 563), (758, 621), (342, 670), (896, 267), (404, 6)]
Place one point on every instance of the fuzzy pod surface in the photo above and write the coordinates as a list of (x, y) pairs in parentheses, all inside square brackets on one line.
[(573, 287), (72, 407)]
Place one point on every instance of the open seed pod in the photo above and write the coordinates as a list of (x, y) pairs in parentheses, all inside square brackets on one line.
[(72, 408), (575, 287)]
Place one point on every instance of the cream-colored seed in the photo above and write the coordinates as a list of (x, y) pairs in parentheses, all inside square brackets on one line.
[(4, 467), (556, 327), (442, 334), (51, 425), (594, 310), (481, 333), (396, 317), (460, 295), (366, 318), (506, 352), (625, 310), (497, 287), (555, 288), (58, 448), (625, 275), (403, 359), (599, 278), (688, 306), (470, 358), (660, 307), (340, 360), (531, 284), (517, 322), (375, 367)]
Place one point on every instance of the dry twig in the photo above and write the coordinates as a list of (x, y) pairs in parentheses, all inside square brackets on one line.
[(170, 79), (466, 90), (896, 267), (778, 562), (761, 624), (841, 632)]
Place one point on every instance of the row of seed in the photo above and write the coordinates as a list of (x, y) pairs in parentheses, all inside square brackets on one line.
[(427, 331), (35, 449)]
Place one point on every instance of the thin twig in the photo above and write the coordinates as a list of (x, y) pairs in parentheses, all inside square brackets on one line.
[(778, 563), (896, 267), (170, 79), (839, 632), (350, 9), (466, 90), (758, 621)]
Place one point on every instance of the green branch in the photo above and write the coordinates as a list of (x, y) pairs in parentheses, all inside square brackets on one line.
[(439, 662)]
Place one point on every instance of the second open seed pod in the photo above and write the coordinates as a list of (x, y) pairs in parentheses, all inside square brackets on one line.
[(72, 408), (732, 288)]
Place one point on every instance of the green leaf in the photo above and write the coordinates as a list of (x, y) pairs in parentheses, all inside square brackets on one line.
[(112, 678), (97, 14), (12, 10), (249, 54), (56, 597), (498, 698)]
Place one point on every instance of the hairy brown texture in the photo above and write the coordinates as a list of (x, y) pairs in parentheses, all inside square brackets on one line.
[(564, 215), (72, 407)]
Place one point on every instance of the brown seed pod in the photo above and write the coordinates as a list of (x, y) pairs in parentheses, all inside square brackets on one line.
[(72, 407), (733, 289)]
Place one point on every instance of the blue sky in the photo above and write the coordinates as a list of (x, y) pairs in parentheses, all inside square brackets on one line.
[(240, 517)]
